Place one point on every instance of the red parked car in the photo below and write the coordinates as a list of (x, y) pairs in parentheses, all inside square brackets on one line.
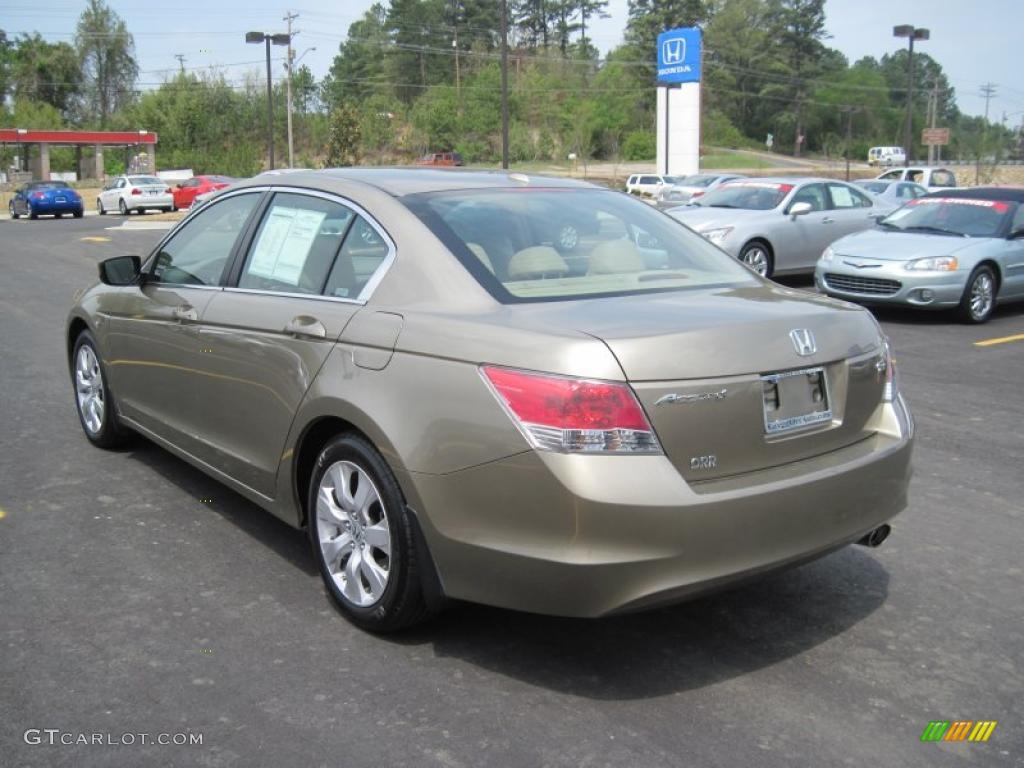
[(186, 191)]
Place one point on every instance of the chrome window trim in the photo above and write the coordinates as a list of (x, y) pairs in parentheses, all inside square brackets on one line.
[(378, 274), (314, 296)]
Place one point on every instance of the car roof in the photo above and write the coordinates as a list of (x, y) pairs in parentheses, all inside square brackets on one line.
[(1006, 194), (409, 181)]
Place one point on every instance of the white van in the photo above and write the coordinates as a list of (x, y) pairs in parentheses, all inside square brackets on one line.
[(886, 156)]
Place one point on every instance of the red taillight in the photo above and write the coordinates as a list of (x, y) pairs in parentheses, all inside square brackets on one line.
[(136, 191), (559, 413), (39, 195), (696, 194)]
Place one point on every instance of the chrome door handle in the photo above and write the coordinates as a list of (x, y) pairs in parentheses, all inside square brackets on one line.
[(827, 220), (306, 325), (186, 312)]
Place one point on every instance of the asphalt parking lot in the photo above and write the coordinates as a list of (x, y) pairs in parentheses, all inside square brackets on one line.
[(139, 596)]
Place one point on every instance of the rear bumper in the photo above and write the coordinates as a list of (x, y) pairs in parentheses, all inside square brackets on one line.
[(149, 201), (594, 535), (50, 207)]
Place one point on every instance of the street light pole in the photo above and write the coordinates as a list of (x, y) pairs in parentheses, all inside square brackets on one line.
[(912, 33), (504, 84), (279, 39), (288, 66)]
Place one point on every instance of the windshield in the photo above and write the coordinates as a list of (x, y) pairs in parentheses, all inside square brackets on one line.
[(144, 180), (698, 181), (952, 216), (750, 195), (550, 244)]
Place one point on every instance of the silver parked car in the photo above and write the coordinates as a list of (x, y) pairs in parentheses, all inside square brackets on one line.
[(780, 226), (893, 192), (692, 187), (404, 363), (960, 249)]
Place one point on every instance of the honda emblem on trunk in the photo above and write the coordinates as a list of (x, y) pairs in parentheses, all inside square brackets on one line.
[(803, 341)]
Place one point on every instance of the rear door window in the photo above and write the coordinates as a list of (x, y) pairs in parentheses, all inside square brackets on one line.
[(296, 244)]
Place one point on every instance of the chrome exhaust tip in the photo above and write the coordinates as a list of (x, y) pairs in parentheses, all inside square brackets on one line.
[(876, 537)]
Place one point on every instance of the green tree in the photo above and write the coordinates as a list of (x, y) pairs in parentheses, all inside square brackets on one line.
[(343, 145), (107, 52), (359, 69), (6, 58), (589, 9), (649, 18), (45, 72)]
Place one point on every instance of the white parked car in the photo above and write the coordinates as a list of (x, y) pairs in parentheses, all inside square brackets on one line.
[(134, 193), (648, 183), (932, 179)]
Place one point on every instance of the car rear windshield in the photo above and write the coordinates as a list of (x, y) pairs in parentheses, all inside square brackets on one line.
[(145, 180), (552, 244), (952, 216), (48, 185), (698, 181), (749, 195)]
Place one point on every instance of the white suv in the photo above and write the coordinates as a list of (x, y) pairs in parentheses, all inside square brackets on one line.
[(648, 183), (929, 178), (134, 193)]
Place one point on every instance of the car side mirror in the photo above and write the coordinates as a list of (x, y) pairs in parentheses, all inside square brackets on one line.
[(178, 185), (120, 270), (1017, 234), (799, 209)]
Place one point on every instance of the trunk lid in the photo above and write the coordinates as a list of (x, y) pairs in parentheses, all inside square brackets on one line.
[(701, 363)]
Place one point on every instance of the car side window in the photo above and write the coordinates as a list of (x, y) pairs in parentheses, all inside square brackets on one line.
[(199, 251), (847, 197), (942, 179), (296, 244), (814, 194), (362, 254), (890, 175), (1018, 219)]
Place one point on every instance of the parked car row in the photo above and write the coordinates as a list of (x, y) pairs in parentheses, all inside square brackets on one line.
[(878, 241)]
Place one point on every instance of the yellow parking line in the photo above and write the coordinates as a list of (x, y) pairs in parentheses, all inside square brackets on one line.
[(96, 239), (1000, 340), (2, 514)]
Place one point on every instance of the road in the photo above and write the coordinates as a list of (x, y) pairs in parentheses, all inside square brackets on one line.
[(139, 596)]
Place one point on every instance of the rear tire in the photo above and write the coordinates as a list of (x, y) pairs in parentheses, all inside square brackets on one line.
[(79, 214), (32, 213), (979, 299), (123, 208), (757, 255), (93, 401), (363, 540), (14, 213)]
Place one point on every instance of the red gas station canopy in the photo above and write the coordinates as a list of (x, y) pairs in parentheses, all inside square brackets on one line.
[(22, 136)]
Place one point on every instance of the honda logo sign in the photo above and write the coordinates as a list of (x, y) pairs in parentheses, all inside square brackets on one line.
[(679, 56)]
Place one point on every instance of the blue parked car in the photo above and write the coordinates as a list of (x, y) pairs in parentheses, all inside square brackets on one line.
[(46, 197)]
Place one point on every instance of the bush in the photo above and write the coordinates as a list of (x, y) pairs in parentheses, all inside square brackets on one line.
[(639, 145), (718, 131)]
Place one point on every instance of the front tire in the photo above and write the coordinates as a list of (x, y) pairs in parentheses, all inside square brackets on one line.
[(93, 402), (362, 538), (758, 256), (14, 213), (99, 207), (979, 299)]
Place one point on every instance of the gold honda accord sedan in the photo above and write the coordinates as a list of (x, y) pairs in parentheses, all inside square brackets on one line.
[(526, 392)]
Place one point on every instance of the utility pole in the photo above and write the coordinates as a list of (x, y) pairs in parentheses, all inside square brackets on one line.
[(504, 84), (455, 46), (849, 110), (288, 66), (181, 60), (988, 90)]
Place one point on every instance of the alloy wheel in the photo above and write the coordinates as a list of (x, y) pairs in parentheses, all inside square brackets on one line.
[(89, 389), (353, 533), (756, 258), (982, 296)]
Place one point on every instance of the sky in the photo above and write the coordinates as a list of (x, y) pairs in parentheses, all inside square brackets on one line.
[(970, 39)]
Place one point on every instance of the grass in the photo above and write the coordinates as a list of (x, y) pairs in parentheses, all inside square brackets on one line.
[(733, 160)]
